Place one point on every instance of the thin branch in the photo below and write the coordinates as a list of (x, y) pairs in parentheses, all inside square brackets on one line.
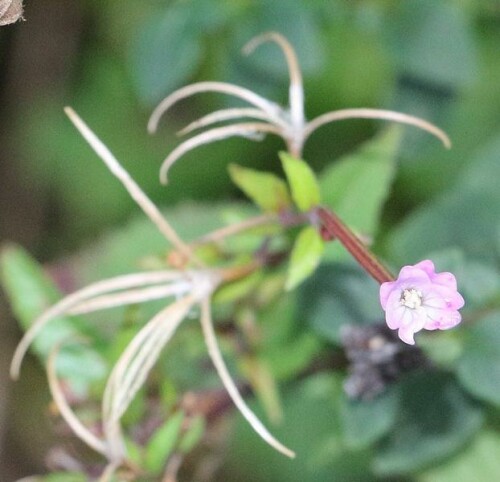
[(237, 228), (387, 115), (172, 468), (109, 471), (131, 186), (224, 115), (99, 288), (354, 245), (139, 368), (130, 297), (296, 84), (135, 363), (82, 432), (216, 134), (220, 366), (271, 109)]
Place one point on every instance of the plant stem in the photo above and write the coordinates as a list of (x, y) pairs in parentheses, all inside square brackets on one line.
[(233, 229), (335, 227)]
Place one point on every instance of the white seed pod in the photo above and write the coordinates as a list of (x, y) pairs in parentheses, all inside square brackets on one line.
[(10, 11)]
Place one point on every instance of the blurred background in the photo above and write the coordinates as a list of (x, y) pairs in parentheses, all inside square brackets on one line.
[(114, 61)]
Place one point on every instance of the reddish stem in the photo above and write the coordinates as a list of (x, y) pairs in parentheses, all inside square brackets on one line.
[(335, 227)]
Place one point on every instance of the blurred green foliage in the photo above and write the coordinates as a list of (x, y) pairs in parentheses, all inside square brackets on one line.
[(397, 187)]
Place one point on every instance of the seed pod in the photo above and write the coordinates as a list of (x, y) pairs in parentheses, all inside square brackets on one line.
[(10, 11)]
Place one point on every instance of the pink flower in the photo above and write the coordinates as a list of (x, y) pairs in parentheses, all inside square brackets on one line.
[(421, 299)]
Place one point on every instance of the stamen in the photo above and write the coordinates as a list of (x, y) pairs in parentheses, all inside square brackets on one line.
[(411, 298)]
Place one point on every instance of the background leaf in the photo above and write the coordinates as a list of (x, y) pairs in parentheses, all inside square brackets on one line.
[(165, 53), (434, 41), (331, 299), (478, 462), (478, 369), (466, 216), (312, 430), (435, 420), (31, 292), (365, 422), (357, 185)]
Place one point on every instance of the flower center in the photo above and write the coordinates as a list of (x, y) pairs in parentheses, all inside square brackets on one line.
[(411, 298)]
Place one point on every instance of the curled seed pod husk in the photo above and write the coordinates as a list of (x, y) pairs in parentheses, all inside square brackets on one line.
[(10, 11)]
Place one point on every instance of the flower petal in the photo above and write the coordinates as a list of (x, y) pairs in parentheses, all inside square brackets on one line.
[(445, 279), (439, 296), (394, 317), (428, 266), (416, 275), (405, 333), (385, 291), (431, 302)]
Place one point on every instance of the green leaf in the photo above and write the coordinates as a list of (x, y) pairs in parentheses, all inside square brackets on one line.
[(30, 293), (434, 41), (288, 359), (357, 185), (163, 442), (434, 421), (479, 367), (364, 422), (479, 462), (302, 181), (61, 477), (236, 290), (337, 295), (305, 257), (165, 53), (297, 21), (267, 190), (287, 346), (134, 451), (193, 434)]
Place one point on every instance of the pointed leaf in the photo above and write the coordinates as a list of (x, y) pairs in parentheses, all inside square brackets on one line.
[(60, 477), (163, 442), (265, 189), (193, 434), (305, 257), (302, 181)]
